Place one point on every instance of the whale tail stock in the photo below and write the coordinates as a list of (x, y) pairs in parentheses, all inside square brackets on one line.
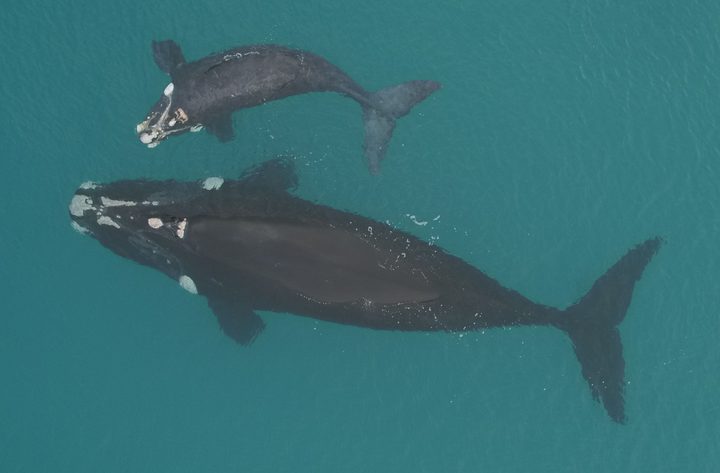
[(592, 324), (387, 105)]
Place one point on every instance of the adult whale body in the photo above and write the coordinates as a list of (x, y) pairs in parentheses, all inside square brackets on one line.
[(249, 245), (204, 93)]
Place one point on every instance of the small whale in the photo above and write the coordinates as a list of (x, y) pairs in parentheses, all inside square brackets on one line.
[(204, 93), (249, 245)]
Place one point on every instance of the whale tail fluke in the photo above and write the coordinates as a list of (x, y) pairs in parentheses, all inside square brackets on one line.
[(592, 324), (387, 105)]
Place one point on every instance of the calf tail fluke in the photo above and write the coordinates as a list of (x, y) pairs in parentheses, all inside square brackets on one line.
[(386, 106), (592, 324)]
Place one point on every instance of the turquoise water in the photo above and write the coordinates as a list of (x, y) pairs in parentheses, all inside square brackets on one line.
[(565, 133)]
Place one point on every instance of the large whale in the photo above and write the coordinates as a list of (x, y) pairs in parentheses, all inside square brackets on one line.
[(248, 245), (204, 93)]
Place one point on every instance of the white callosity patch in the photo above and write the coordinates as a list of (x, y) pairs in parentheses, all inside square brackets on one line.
[(196, 128), (79, 204), (188, 284), (105, 220), (88, 185), (181, 228), (146, 138), (213, 183), (169, 89), (155, 222), (181, 115), (79, 228), (116, 203)]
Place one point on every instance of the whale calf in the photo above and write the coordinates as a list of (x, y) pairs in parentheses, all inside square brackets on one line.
[(204, 93), (249, 245)]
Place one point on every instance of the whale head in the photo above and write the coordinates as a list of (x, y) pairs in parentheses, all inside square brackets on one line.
[(151, 221), (140, 220), (165, 118)]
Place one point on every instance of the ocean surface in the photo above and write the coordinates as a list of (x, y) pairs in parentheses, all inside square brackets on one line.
[(564, 134)]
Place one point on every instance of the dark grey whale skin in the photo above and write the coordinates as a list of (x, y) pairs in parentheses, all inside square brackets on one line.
[(250, 245), (207, 91)]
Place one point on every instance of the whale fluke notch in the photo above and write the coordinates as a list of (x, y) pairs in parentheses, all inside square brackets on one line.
[(168, 55)]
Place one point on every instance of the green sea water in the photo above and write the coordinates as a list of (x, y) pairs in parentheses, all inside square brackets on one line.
[(565, 133)]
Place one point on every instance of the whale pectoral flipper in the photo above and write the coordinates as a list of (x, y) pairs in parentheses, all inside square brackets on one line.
[(237, 321), (221, 127), (168, 55)]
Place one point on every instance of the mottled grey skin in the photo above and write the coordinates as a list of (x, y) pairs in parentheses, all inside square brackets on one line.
[(205, 93), (250, 245)]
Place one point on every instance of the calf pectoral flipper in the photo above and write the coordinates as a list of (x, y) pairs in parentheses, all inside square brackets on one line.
[(167, 55)]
